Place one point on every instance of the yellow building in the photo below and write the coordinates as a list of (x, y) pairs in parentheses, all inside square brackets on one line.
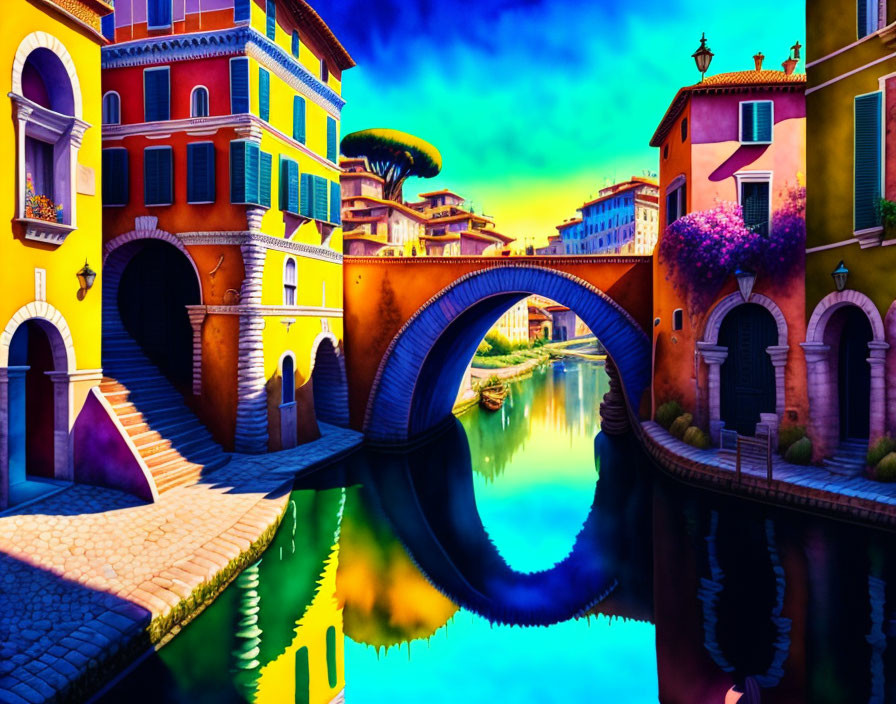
[(49, 318)]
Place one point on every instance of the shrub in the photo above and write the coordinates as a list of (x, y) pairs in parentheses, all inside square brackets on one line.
[(879, 450), (668, 412), (696, 438), (800, 452), (789, 434), (886, 469), (680, 425), (499, 344), (484, 348)]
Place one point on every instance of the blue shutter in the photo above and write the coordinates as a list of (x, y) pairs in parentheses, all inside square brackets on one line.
[(747, 122), (862, 18), (201, 172), (762, 115), (298, 118), (332, 148), (107, 25), (271, 19), (253, 183), (241, 10), (867, 188), (115, 176), (238, 172), (266, 161), (239, 85), (158, 14), (295, 43), (305, 196), (157, 176), (264, 94), (320, 198), (335, 203), (156, 94)]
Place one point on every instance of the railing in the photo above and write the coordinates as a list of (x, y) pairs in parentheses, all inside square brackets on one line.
[(759, 448)]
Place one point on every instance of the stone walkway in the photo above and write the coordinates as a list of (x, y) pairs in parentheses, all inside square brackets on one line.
[(810, 487), (91, 577)]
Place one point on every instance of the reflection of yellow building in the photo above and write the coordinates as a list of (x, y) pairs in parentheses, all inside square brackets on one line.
[(514, 324), (49, 325)]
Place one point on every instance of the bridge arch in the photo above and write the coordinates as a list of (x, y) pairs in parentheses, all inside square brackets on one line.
[(417, 380)]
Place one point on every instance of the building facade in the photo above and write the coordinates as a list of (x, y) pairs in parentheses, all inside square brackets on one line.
[(50, 334), (849, 347), (222, 216), (621, 220), (732, 361)]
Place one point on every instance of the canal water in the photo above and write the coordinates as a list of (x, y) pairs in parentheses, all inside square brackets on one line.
[(524, 556)]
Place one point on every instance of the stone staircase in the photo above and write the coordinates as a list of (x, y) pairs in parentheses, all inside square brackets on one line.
[(848, 459), (172, 442)]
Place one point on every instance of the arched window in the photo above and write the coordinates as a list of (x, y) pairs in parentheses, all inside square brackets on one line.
[(199, 102), (289, 282), (288, 371), (111, 108)]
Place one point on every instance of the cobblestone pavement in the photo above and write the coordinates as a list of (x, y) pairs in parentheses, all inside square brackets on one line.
[(804, 486), (89, 574)]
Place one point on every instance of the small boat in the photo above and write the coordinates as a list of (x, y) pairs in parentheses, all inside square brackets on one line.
[(492, 397)]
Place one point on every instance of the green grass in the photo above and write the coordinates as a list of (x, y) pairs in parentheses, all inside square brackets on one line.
[(508, 360)]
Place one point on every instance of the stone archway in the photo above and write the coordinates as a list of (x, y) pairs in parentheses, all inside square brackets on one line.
[(328, 380), (824, 409), (715, 355)]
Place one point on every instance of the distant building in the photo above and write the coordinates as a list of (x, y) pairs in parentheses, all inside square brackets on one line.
[(453, 230), (554, 246), (514, 324), (623, 219), (563, 322), (540, 323)]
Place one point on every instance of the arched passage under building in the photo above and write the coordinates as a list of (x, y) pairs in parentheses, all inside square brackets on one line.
[(417, 381), (328, 382)]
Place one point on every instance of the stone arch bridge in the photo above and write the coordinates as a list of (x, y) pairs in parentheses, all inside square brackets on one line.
[(412, 325)]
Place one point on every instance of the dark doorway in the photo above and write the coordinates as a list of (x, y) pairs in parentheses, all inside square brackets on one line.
[(748, 377), (156, 286), (854, 374), (328, 385)]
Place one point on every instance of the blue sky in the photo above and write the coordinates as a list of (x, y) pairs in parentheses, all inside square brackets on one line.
[(535, 105)]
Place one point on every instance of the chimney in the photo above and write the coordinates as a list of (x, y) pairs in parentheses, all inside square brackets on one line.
[(757, 59)]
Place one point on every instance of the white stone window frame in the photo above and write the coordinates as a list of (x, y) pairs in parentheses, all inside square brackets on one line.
[(109, 94), (742, 177), (290, 287), (208, 103), (65, 132)]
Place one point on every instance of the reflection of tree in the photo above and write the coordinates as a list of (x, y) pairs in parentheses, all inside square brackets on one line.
[(386, 600)]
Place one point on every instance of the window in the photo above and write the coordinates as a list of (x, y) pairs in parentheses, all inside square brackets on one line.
[(158, 176), (158, 14), (677, 319), (867, 19), (289, 282), (264, 95), (755, 200), (250, 174), (156, 94), (289, 185), (332, 140), (313, 197), (271, 19), (684, 129), (239, 85), (115, 176), (111, 108), (867, 162), (756, 120), (335, 203), (298, 118), (199, 102), (295, 43), (201, 172), (107, 27), (241, 10), (288, 372), (332, 678), (264, 168), (324, 71), (676, 202)]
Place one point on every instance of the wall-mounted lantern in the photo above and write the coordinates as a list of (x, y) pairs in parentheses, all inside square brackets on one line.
[(86, 277), (745, 281), (703, 57), (840, 274)]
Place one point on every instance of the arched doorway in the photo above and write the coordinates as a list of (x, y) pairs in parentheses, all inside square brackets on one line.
[(747, 375), (328, 384), (157, 284), (853, 372)]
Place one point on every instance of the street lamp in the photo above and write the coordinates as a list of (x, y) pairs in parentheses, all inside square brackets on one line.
[(86, 277), (745, 281), (703, 57), (840, 274)]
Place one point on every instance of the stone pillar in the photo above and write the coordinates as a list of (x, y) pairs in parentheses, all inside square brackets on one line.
[(253, 265), (714, 356), (824, 425), (63, 468), (613, 413), (878, 412), (197, 317), (252, 411), (778, 355)]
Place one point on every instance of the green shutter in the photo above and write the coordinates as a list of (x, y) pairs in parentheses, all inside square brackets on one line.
[(253, 159), (298, 118), (271, 24), (320, 198), (238, 172), (201, 172), (763, 120), (115, 176), (332, 147), (264, 95), (265, 175), (867, 187), (335, 203), (289, 185), (305, 197)]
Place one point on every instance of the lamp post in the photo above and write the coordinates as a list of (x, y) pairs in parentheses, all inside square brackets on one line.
[(840, 274), (86, 277), (745, 281), (703, 57)]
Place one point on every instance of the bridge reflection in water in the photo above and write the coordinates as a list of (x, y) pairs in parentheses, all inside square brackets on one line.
[(390, 548)]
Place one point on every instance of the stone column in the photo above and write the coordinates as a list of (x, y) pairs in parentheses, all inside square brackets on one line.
[(63, 467), (252, 411), (878, 412), (778, 355), (197, 317), (714, 356), (613, 413), (824, 425)]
